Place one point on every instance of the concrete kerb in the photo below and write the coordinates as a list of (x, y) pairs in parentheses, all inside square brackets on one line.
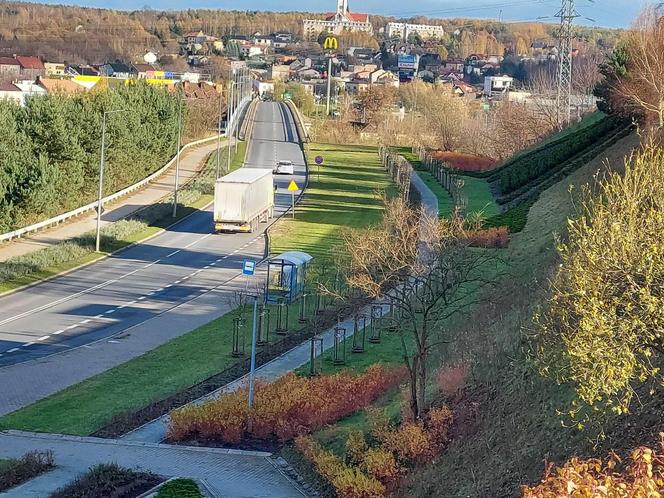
[(134, 444)]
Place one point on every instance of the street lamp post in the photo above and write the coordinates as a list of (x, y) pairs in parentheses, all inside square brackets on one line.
[(176, 184), (100, 197), (252, 367), (221, 94), (229, 128)]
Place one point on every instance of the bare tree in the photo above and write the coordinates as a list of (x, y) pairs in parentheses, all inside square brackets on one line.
[(585, 77), (542, 85), (426, 267), (642, 87)]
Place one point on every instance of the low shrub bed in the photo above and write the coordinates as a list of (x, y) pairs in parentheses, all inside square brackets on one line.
[(289, 407), (16, 471), (495, 237), (373, 468), (180, 488), (109, 481), (465, 162)]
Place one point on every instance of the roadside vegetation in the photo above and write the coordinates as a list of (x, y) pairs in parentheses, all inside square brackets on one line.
[(17, 471), (44, 263)]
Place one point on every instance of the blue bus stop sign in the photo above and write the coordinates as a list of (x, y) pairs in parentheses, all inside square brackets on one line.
[(248, 267), (319, 160)]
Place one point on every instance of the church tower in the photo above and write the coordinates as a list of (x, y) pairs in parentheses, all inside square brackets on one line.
[(342, 7)]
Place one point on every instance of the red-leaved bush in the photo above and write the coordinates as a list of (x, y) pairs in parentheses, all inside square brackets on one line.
[(283, 409), (498, 238), (465, 162)]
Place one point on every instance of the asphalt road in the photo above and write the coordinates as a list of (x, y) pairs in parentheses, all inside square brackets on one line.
[(148, 279)]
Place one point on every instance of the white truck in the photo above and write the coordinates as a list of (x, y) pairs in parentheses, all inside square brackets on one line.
[(243, 199)]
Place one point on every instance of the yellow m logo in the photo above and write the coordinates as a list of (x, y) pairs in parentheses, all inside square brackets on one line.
[(331, 43)]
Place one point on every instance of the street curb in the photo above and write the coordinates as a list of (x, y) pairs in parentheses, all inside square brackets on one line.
[(133, 444)]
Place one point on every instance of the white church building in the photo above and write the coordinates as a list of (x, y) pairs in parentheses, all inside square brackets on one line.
[(342, 20)]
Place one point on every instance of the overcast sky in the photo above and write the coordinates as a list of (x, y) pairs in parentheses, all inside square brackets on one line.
[(612, 13)]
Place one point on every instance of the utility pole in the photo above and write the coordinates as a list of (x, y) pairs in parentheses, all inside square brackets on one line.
[(176, 184), (329, 84), (229, 132), (252, 368), (567, 15), (100, 198), (221, 95)]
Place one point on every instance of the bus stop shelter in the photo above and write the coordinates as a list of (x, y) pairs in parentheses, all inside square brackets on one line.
[(286, 276)]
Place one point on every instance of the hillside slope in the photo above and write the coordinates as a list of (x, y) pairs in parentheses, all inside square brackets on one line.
[(506, 419)]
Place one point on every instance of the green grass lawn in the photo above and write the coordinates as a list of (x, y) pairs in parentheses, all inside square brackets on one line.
[(343, 194), (480, 199), (237, 159)]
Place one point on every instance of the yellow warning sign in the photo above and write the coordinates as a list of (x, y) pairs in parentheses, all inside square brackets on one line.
[(292, 187)]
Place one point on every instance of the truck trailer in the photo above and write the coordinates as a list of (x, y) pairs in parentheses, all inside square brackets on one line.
[(243, 199)]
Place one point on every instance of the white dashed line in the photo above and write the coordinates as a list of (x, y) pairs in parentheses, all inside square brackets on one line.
[(28, 344), (173, 253), (131, 302), (122, 306), (12, 350), (44, 338), (207, 267), (185, 278), (225, 257), (108, 312), (177, 282), (100, 315), (85, 321), (71, 326), (235, 251), (58, 332), (141, 298), (168, 286), (160, 290)]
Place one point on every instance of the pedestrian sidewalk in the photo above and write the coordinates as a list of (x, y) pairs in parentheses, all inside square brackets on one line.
[(228, 473), (191, 162)]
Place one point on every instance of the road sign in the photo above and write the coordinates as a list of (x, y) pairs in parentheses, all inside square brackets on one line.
[(319, 160), (288, 95), (292, 186), (248, 267), (331, 43)]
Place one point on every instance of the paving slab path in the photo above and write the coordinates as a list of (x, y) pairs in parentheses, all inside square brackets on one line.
[(191, 163), (227, 473)]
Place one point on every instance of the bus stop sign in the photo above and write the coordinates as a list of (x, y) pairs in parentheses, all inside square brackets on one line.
[(248, 267)]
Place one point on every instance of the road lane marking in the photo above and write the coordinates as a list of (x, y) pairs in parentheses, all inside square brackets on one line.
[(174, 253), (28, 344), (12, 350), (58, 332), (168, 286), (131, 302), (85, 321), (44, 338), (109, 312), (71, 326), (141, 298)]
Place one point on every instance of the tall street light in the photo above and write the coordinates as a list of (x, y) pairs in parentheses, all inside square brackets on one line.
[(229, 125), (176, 185), (221, 95), (100, 198)]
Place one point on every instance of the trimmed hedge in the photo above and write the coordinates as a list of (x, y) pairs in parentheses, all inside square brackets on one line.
[(523, 169), (180, 488), (15, 472)]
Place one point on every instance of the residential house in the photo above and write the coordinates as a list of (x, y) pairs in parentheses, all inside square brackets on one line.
[(54, 69), (497, 84), (308, 74), (267, 40), (195, 37), (116, 70), (81, 70), (31, 67), (455, 65), (60, 86), (10, 92), (30, 88), (144, 70), (280, 72), (251, 50), (10, 69), (461, 89), (283, 37)]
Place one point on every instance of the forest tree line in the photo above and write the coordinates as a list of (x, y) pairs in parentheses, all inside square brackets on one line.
[(49, 149)]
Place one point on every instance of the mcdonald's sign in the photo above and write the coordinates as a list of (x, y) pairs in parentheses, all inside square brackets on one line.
[(331, 43)]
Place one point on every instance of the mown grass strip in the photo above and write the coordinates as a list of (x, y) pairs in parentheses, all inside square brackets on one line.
[(342, 193)]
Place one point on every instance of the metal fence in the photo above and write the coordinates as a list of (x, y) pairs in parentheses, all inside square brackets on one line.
[(444, 176), (398, 168)]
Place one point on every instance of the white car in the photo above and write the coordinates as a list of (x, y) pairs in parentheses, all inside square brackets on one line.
[(284, 168)]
